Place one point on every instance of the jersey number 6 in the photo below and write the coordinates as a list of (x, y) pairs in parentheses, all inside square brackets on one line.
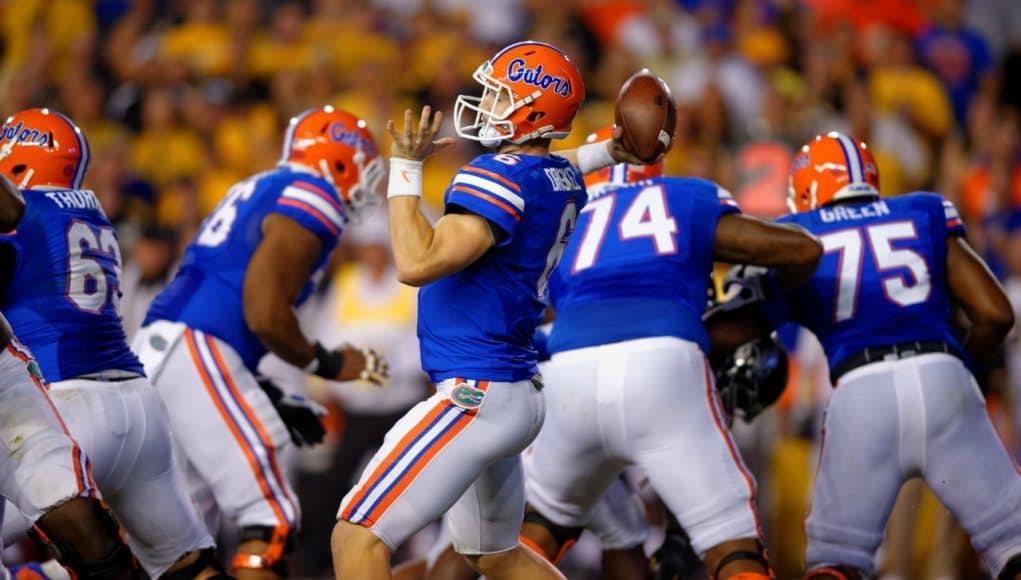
[(93, 267), (217, 226)]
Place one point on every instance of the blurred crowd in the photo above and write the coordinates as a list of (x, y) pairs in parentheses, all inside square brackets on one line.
[(181, 98)]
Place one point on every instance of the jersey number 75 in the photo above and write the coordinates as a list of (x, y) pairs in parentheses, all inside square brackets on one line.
[(849, 244)]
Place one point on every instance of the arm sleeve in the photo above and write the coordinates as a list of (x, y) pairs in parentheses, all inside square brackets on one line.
[(952, 219), (315, 208), (490, 195)]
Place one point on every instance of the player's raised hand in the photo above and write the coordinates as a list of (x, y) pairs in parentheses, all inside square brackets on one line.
[(417, 142), (620, 152), (363, 364)]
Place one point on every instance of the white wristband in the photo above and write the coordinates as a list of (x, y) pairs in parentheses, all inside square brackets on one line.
[(405, 178), (594, 156)]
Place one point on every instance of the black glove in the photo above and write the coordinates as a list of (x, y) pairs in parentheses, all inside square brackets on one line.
[(676, 559), (300, 414)]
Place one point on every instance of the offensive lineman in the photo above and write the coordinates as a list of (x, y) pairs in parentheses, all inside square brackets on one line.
[(905, 403), (252, 261), (483, 269), (629, 379), (59, 287), (43, 472)]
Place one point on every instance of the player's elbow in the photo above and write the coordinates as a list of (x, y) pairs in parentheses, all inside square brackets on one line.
[(808, 252), (260, 318), (412, 275), (998, 319)]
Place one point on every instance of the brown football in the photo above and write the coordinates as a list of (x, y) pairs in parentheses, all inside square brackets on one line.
[(647, 113)]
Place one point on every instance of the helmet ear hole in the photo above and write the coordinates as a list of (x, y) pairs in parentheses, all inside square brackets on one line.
[(535, 116), (339, 166), (18, 169)]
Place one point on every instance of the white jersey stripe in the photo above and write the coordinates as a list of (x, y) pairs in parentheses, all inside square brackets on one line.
[(449, 416), (492, 187), (242, 421), (854, 166), (314, 200)]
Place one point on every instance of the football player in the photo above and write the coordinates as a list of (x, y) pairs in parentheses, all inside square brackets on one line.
[(629, 380), (905, 403), (483, 269), (618, 520), (43, 471), (252, 261), (59, 279)]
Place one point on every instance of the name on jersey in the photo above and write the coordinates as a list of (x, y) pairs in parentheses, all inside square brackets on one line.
[(846, 212), (562, 179), (74, 199), (517, 71)]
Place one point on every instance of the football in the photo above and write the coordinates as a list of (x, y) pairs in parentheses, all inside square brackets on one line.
[(646, 111)]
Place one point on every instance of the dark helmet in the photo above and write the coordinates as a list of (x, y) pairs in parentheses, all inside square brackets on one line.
[(752, 378)]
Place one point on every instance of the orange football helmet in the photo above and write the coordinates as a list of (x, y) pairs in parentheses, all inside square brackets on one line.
[(621, 173), (829, 168), (531, 90), (337, 146), (42, 148)]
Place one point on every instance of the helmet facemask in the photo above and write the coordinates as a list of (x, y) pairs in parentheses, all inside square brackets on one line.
[(491, 123)]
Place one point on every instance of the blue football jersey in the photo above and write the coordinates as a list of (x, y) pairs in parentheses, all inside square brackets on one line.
[(479, 322), (882, 278), (639, 264), (206, 292), (62, 299)]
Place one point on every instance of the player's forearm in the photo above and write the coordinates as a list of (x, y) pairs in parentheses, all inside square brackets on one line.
[(277, 326), (976, 290), (986, 333), (790, 251), (590, 157), (411, 237), (983, 340)]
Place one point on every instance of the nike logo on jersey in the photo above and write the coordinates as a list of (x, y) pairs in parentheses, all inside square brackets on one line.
[(847, 212)]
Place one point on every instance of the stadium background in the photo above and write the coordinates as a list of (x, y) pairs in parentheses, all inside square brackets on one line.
[(180, 99)]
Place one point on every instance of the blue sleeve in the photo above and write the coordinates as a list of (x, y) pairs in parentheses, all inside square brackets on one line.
[(945, 214), (983, 59), (315, 207), (490, 193)]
